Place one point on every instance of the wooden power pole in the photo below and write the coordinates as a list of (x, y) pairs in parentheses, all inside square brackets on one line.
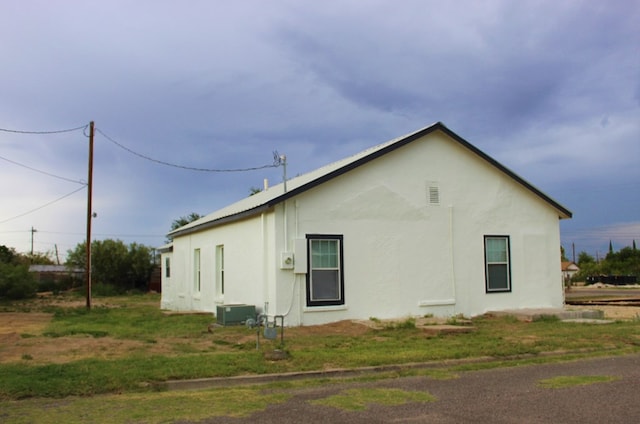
[(89, 213)]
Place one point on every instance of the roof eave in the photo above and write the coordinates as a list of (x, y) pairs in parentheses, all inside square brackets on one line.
[(220, 221)]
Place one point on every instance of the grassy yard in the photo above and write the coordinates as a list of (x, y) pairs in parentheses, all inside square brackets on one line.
[(127, 345)]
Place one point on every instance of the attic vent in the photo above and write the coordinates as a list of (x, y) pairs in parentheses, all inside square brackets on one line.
[(433, 193)]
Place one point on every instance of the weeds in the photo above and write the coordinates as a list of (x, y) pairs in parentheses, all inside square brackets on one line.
[(407, 324)]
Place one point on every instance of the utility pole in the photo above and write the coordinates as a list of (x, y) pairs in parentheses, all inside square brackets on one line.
[(33, 230), (89, 213)]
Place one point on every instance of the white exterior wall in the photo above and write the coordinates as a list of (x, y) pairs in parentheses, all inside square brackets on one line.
[(248, 269), (406, 257), (402, 255)]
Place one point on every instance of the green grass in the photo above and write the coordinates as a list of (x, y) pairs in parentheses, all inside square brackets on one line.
[(229, 351), (149, 408), (563, 381), (359, 399)]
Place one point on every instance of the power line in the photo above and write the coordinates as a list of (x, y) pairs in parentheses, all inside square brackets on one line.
[(43, 206), (43, 172), (43, 132), (277, 161)]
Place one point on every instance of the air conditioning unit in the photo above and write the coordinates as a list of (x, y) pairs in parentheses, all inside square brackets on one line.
[(234, 314)]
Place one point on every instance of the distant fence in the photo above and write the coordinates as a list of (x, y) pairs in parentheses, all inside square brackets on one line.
[(618, 280)]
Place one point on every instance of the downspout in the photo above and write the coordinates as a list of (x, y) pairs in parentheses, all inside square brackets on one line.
[(452, 253), (295, 280), (265, 278)]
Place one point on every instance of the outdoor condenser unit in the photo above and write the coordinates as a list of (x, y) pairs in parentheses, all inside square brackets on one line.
[(234, 314)]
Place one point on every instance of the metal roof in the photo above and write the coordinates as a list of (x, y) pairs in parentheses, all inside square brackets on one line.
[(266, 199)]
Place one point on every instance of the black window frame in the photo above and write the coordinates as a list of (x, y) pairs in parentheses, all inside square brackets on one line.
[(487, 264), (309, 283)]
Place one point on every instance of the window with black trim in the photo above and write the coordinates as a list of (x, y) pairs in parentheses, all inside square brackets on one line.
[(497, 264), (325, 276)]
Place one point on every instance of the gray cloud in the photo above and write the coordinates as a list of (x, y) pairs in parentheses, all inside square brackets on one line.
[(550, 89)]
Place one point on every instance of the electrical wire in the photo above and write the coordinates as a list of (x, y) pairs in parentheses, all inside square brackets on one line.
[(43, 172), (43, 132), (43, 206), (277, 161)]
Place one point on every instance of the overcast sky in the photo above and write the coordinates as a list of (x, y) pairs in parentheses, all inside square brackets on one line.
[(550, 89)]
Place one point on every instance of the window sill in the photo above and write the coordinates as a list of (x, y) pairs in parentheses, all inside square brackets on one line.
[(442, 302), (331, 308)]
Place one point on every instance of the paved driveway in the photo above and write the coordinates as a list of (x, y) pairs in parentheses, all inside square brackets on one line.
[(505, 395)]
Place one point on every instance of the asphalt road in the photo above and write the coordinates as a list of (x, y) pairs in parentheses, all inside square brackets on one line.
[(504, 395)]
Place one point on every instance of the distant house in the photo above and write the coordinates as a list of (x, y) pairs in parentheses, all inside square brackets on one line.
[(569, 269), (423, 224), (54, 273)]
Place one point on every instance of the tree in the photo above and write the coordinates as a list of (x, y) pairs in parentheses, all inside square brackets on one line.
[(115, 264), (585, 258), (38, 258), (7, 254), (182, 221), (626, 261), (16, 282)]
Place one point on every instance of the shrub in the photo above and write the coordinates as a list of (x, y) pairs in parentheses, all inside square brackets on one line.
[(16, 282)]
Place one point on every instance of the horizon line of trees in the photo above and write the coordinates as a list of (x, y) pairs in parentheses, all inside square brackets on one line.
[(115, 267), (624, 262)]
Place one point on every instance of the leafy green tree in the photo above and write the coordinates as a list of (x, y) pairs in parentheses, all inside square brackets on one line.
[(182, 221), (115, 264), (626, 261), (585, 258), (37, 258), (7, 254), (16, 282), (254, 190)]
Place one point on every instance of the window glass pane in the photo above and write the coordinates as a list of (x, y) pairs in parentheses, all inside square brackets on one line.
[(496, 250), (324, 254), (325, 285), (498, 277)]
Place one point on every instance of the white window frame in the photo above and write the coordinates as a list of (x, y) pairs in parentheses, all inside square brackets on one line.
[(220, 270), (197, 273)]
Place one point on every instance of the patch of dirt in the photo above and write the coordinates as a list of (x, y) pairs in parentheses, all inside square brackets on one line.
[(612, 312)]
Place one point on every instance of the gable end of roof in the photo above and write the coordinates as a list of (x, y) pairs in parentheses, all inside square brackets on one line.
[(270, 202)]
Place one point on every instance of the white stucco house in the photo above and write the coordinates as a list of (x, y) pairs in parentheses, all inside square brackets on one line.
[(423, 224)]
